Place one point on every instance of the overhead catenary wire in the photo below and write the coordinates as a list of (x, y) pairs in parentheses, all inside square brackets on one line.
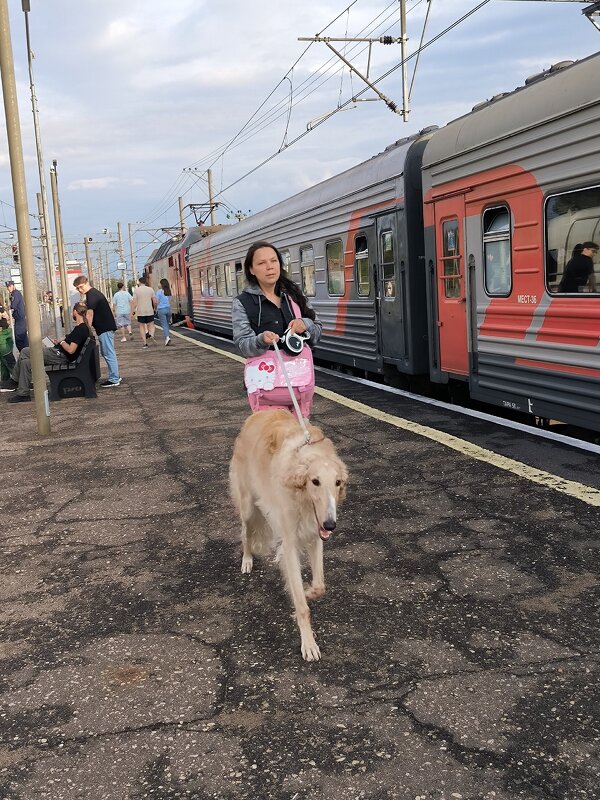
[(251, 128), (326, 117), (363, 91)]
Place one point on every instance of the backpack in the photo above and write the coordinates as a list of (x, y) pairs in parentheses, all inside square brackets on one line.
[(265, 382)]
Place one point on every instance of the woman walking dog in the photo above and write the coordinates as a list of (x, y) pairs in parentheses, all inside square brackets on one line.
[(270, 306)]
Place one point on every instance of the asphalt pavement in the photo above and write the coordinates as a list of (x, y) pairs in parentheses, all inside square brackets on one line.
[(459, 632)]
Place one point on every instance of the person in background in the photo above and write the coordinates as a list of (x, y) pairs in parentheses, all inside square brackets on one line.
[(144, 303), (7, 359), (579, 271), (100, 317), (122, 311), (163, 308), (63, 352), (17, 307)]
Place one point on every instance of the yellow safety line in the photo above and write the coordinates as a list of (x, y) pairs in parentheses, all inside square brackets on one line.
[(587, 494)]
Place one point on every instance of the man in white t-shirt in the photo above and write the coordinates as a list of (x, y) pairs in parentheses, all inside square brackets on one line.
[(122, 310), (144, 303)]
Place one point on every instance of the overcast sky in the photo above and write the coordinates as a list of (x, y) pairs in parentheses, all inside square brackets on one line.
[(131, 94)]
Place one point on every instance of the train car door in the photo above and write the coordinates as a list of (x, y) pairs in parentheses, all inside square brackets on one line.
[(389, 289), (451, 284)]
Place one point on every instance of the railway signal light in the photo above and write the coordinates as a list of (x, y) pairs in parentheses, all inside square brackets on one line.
[(15, 253)]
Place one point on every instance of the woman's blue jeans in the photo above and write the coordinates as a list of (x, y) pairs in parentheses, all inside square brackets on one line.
[(164, 314), (107, 348)]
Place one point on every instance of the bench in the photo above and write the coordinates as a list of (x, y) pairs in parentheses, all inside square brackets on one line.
[(77, 378)]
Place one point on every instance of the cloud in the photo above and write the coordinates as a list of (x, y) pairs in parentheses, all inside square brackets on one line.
[(108, 182), (131, 94)]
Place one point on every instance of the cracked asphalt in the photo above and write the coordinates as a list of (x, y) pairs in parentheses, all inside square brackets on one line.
[(459, 632)]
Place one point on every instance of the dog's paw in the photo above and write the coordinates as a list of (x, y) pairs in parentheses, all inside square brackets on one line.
[(247, 562), (314, 592), (310, 651)]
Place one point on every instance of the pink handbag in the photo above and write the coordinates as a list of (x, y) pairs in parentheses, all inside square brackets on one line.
[(265, 382)]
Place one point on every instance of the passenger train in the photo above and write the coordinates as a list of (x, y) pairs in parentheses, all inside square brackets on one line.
[(442, 256)]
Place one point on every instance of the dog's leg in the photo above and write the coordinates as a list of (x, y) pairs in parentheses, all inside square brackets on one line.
[(247, 559), (315, 554), (246, 514), (290, 566)]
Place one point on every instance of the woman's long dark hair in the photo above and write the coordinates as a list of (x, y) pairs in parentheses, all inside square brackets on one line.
[(284, 285), (164, 283), (82, 309)]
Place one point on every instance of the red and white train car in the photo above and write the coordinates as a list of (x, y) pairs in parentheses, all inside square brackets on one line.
[(509, 191)]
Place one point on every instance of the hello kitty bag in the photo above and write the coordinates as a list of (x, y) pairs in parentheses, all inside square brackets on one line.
[(266, 385)]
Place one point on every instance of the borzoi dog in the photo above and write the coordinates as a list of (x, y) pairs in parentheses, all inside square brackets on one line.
[(287, 493)]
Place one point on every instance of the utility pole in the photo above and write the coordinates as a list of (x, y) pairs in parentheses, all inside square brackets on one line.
[(210, 198), (49, 265), (101, 272), (120, 242), (45, 231), (60, 246), (403, 41), (365, 78), (132, 253), (88, 259), (181, 220), (17, 169)]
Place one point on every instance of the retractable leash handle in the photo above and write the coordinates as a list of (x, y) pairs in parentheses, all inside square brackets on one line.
[(292, 395)]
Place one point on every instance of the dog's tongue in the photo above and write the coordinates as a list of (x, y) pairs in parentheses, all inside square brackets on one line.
[(324, 534)]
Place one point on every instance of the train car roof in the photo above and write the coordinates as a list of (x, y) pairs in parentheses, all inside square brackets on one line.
[(384, 166), (193, 235), (568, 86)]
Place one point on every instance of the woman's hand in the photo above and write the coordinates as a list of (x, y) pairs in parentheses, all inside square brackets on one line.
[(270, 337), (297, 326)]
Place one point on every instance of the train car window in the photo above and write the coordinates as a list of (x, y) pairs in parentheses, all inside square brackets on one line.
[(451, 258), (240, 278), (573, 242), (387, 264), (287, 262), (228, 278), (219, 280), (334, 255), (361, 264), (307, 271), (210, 281), (497, 267), (203, 283)]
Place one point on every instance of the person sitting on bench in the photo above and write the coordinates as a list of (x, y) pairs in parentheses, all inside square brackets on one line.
[(63, 352)]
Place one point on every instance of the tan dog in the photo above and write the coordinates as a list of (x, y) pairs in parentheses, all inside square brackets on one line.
[(287, 493)]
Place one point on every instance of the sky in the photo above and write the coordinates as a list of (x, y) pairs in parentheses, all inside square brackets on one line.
[(137, 100)]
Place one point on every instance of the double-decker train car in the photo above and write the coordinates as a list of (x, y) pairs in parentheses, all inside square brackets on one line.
[(443, 255)]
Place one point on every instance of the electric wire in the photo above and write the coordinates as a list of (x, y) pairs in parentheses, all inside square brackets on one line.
[(363, 91), (326, 117), (220, 152)]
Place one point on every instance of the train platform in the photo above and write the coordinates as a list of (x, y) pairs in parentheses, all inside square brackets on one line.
[(459, 631)]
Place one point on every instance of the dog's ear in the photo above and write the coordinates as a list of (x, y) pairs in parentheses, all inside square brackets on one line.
[(274, 438), (297, 476), (344, 480)]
